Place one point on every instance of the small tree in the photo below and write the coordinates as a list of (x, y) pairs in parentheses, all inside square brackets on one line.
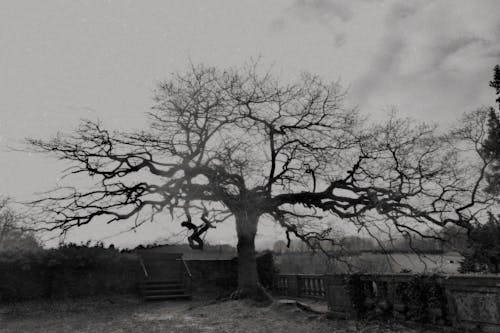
[(246, 146)]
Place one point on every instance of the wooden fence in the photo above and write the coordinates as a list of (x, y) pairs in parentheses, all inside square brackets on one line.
[(464, 302)]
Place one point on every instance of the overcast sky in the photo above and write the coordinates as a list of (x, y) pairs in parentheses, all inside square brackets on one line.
[(65, 60)]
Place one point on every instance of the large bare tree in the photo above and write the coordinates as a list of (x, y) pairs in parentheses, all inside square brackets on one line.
[(247, 146)]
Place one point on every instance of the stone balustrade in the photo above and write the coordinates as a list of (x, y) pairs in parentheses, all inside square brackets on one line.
[(461, 301), (301, 285)]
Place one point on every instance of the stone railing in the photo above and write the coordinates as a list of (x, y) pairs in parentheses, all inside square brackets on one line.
[(301, 285), (461, 301)]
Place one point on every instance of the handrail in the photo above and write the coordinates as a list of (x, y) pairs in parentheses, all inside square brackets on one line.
[(143, 267), (186, 267), (188, 281)]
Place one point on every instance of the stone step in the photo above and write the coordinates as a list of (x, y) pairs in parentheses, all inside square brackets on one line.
[(165, 297), (162, 286), (153, 281), (161, 283), (164, 292)]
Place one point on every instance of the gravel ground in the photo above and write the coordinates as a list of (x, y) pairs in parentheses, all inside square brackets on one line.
[(132, 315)]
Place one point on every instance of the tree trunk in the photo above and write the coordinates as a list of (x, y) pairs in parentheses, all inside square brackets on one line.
[(248, 277)]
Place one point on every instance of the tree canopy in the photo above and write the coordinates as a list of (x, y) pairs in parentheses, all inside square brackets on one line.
[(246, 145)]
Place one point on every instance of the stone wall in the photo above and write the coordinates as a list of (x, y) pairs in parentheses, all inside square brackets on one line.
[(208, 276), (37, 278), (461, 301)]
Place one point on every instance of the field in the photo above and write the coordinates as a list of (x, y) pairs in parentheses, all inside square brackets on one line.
[(307, 263), (131, 315)]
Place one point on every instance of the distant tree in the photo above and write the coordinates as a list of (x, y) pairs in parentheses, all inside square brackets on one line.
[(454, 238), (12, 236), (247, 146), (296, 245), (491, 147), (279, 246), (495, 83), (358, 244)]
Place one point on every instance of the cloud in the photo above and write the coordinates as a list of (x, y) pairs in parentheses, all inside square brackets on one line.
[(328, 14), (340, 39), (277, 25), (444, 50), (493, 53), (390, 53), (409, 53), (322, 10), (425, 45), (402, 11)]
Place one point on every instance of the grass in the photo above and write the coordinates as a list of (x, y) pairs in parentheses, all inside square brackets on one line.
[(132, 315)]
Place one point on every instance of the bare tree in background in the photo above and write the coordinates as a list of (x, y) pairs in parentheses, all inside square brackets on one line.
[(7, 221), (13, 237), (248, 146)]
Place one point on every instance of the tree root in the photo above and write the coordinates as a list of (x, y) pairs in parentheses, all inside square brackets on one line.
[(299, 305), (257, 294)]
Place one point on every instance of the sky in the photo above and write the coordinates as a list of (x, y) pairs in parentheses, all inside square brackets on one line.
[(61, 61)]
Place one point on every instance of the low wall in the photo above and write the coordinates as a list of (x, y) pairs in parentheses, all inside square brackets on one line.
[(213, 275), (470, 302), (37, 279), (222, 275), (113, 273), (301, 285)]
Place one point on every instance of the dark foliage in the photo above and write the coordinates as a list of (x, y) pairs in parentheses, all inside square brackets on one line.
[(491, 151), (495, 83), (491, 146), (69, 271), (483, 254), (357, 291), (84, 270), (267, 269), (419, 299)]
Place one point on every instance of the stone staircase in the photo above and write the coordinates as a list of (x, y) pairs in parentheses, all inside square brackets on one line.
[(166, 276), (163, 290)]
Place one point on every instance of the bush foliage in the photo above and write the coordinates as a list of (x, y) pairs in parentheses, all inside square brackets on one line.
[(483, 253), (420, 298), (83, 270), (68, 271)]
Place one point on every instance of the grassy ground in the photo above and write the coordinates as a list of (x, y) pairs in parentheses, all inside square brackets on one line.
[(131, 315)]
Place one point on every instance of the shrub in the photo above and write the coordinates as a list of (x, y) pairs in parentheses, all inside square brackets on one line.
[(483, 252), (267, 269), (68, 271)]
